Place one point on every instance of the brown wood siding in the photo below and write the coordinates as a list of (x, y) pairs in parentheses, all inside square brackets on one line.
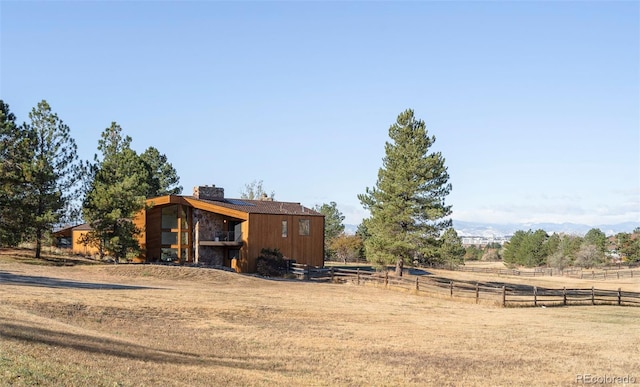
[(242, 265), (140, 222), (153, 233), (79, 248), (265, 231)]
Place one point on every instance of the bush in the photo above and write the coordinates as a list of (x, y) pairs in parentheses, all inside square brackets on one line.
[(271, 263)]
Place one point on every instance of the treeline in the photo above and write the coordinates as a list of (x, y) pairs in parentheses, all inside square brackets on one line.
[(44, 184), (537, 248)]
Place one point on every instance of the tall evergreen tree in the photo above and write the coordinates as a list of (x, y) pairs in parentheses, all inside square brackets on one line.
[(163, 178), (53, 172), (596, 237), (333, 226), (451, 250), (510, 255), (14, 167), (117, 193), (407, 205), (526, 248)]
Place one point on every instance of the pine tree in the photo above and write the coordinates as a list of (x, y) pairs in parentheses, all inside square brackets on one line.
[(451, 251), (163, 178), (52, 173), (333, 226), (407, 205), (14, 166), (116, 194)]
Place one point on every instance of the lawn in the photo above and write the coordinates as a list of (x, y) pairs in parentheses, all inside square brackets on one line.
[(66, 323)]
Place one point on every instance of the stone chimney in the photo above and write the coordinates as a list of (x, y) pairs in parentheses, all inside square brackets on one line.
[(208, 193)]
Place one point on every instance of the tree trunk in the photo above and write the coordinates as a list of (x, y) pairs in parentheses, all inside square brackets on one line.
[(399, 266), (38, 242)]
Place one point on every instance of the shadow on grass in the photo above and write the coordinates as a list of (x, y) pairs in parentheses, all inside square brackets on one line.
[(27, 257), (29, 280), (10, 330)]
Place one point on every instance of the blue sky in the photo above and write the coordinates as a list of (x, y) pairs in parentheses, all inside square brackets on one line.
[(534, 105)]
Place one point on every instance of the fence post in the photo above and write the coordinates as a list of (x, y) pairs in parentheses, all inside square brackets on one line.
[(605, 274), (477, 292), (618, 273), (593, 296), (535, 296), (451, 288), (504, 296), (358, 276), (332, 274), (308, 272), (564, 295), (593, 274), (417, 283), (619, 297), (631, 273), (386, 278)]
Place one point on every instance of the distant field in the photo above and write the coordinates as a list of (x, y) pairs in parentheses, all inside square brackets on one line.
[(135, 325)]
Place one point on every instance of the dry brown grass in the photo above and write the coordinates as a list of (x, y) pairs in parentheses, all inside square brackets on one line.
[(181, 326)]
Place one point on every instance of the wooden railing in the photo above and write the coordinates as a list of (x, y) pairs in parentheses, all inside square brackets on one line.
[(501, 294)]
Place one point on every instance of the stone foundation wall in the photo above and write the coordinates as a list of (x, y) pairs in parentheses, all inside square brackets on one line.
[(205, 228)]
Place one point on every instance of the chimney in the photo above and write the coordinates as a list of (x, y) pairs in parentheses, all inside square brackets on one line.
[(265, 198), (208, 193)]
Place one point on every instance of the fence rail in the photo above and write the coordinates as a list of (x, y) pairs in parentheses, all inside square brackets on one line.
[(612, 272), (506, 295)]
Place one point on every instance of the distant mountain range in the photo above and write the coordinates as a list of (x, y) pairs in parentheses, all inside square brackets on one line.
[(494, 229), (500, 230)]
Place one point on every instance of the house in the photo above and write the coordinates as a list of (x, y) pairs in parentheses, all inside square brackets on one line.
[(207, 228), (69, 237)]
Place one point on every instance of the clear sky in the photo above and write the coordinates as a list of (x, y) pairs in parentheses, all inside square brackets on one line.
[(534, 105)]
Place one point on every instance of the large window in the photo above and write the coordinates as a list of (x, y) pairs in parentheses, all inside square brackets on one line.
[(175, 234), (170, 217), (303, 226)]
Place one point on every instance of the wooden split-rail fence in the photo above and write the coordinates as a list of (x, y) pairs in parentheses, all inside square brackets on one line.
[(506, 295), (599, 274)]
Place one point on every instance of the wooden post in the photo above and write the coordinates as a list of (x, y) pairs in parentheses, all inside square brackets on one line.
[(593, 296), (309, 272), (593, 274), (535, 296), (332, 274), (564, 295), (618, 273), (477, 292), (504, 296), (605, 274), (358, 276), (451, 288), (417, 283), (619, 296), (386, 278)]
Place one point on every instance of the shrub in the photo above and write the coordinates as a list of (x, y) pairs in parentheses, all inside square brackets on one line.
[(271, 263)]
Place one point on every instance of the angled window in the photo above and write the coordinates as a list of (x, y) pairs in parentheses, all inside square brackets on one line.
[(303, 226)]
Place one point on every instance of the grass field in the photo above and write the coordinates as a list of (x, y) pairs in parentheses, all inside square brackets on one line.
[(75, 323)]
